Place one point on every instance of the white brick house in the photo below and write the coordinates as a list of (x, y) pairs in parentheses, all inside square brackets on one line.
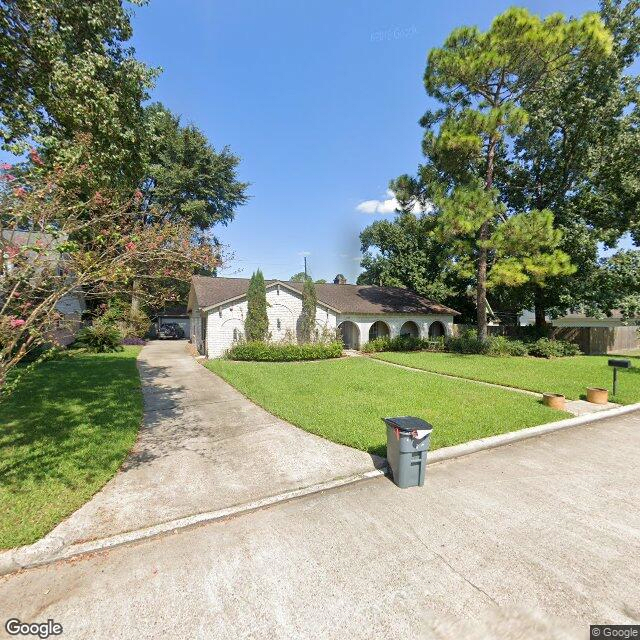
[(218, 307)]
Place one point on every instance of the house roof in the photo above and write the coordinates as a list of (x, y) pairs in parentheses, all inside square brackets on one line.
[(344, 298)]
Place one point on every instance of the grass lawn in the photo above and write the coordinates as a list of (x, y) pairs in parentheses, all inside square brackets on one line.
[(63, 433), (569, 376), (344, 400)]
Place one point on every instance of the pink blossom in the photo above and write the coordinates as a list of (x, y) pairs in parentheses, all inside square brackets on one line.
[(16, 322), (20, 192), (137, 196), (130, 246), (9, 177), (5, 166)]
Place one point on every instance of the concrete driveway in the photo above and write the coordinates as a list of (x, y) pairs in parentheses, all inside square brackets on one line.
[(203, 447), (537, 539)]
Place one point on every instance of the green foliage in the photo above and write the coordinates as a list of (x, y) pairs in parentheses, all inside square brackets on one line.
[(100, 337), (185, 177), (576, 158), (283, 352), (67, 71), (404, 253), (482, 81), (131, 323), (548, 348), (308, 316), (503, 346), (256, 324), (403, 343), (469, 343), (618, 284)]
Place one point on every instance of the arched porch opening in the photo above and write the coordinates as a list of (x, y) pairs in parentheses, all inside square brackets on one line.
[(350, 334), (410, 328), (436, 329), (379, 329)]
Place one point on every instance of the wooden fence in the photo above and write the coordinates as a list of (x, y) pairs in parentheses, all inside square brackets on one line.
[(591, 340)]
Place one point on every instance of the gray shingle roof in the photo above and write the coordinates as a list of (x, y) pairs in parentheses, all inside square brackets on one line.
[(345, 298)]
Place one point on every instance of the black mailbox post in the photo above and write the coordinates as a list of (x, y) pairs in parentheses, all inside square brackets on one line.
[(618, 363)]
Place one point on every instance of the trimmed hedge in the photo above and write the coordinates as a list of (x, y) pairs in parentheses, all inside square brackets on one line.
[(502, 346), (403, 343), (282, 352), (547, 348)]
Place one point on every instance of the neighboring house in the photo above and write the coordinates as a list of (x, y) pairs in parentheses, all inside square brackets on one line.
[(218, 308), (71, 306), (579, 319), (179, 315)]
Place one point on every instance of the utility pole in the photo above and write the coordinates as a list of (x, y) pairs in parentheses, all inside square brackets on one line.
[(306, 275)]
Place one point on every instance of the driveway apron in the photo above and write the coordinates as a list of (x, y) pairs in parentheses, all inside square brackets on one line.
[(203, 447)]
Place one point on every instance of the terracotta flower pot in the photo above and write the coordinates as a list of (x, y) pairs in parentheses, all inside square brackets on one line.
[(553, 400), (597, 395)]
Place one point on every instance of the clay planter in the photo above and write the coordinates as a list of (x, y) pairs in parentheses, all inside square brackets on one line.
[(553, 400), (597, 395)]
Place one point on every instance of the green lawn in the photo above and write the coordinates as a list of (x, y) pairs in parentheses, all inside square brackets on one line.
[(569, 376), (344, 400), (63, 433)]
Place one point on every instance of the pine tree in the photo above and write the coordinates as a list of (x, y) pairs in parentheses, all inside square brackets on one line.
[(482, 81), (308, 317), (256, 324)]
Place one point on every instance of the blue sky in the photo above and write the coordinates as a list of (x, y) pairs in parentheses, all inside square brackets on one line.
[(320, 99)]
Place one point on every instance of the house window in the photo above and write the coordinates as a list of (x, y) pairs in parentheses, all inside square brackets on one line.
[(278, 324), (236, 335), (220, 312)]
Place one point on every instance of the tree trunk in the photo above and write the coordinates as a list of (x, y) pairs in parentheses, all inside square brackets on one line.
[(481, 288), (481, 271), (540, 311), (135, 297)]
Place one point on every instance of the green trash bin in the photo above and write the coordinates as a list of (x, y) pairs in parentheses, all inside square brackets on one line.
[(407, 445)]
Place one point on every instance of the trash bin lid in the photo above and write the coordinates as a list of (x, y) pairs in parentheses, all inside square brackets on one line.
[(408, 423)]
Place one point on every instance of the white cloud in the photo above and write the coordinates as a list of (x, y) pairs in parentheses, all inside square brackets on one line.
[(386, 206)]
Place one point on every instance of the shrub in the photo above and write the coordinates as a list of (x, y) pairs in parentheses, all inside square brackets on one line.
[(547, 348), (261, 351), (468, 342), (256, 323), (403, 343), (132, 340), (502, 346), (101, 337), (493, 346)]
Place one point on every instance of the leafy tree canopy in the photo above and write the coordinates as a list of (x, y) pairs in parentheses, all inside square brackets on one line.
[(579, 156), (185, 176), (482, 81), (405, 253), (67, 71)]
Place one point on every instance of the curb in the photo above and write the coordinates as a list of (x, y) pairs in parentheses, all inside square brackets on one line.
[(51, 549), (482, 444)]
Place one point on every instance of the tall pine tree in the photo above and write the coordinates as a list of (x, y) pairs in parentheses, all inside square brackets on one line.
[(482, 80)]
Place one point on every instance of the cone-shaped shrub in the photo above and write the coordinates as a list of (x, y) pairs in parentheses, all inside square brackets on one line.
[(256, 324)]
